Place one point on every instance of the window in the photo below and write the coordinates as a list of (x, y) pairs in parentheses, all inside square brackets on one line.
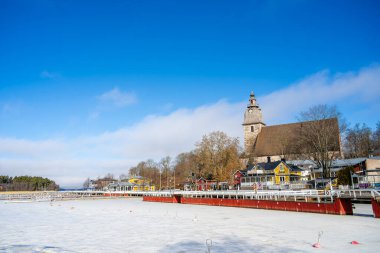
[(252, 128), (282, 170), (282, 179)]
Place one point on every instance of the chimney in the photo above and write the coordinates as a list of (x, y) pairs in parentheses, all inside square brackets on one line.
[(268, 159)]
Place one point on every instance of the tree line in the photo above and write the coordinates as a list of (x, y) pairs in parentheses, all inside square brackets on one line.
[(27, 183), (215, 157), (362, 141)]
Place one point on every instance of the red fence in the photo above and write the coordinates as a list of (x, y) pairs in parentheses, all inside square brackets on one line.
[(339, 206), (161, 199)]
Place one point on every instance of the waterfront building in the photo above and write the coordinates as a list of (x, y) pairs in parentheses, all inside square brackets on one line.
[(131, 184), (271, 175), (365, 170)]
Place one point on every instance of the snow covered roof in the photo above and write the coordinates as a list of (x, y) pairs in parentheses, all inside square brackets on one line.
[(347, 162), (336, 163), (120, 184)]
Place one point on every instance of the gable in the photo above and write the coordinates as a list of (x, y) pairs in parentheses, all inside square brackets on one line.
[(282, 168), (238, 173)]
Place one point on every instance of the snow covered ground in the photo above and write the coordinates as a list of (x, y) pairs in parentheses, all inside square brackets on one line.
[(131, 225)]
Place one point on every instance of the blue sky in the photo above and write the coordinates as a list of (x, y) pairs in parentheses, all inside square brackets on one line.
[(89, 75)]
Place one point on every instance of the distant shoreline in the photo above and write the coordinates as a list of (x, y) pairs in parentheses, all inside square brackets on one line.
[(22, 192)]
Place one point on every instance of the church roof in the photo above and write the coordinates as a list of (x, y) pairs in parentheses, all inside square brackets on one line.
[(284, 139)]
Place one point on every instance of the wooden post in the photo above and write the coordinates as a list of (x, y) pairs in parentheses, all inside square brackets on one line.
[(375, 207)]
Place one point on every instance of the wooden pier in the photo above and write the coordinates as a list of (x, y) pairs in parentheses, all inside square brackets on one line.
[(50, 195), (313, 201), (328, 202)]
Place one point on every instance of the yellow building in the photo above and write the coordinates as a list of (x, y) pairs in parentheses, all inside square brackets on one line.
[(131, 184), (141, 184), (285, 173), (272, 175)]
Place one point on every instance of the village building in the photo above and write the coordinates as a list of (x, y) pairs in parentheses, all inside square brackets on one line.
[(264, 143), (130, 184), (366, 170), (202, 184), (120, 186), (271, 175)]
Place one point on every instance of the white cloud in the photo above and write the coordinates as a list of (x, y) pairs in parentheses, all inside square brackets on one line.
[(362, 88), (157, 136), (70, 161), (118, 98), (21, 147)]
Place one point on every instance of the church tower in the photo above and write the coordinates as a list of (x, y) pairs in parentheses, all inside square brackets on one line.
[(253, 122)]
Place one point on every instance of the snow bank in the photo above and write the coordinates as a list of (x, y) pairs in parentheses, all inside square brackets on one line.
[(130, 225)]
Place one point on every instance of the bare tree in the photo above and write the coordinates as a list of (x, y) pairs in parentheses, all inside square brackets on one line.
[(86, 183), (109, 176), (123, 177), (147, 169), (320, 135), (166, 166), (185, 167), (216, 157), (376, 139), (358, 141)]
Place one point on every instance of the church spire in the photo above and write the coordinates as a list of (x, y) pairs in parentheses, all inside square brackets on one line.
[(252, 100), (252, 124)]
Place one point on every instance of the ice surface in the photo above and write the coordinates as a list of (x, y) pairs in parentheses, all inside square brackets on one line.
[(131, 225)]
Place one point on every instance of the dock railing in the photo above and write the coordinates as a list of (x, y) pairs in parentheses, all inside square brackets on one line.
[(300, 195), (309, 195)]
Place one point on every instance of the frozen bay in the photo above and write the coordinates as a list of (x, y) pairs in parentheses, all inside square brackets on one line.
[(131, 225)]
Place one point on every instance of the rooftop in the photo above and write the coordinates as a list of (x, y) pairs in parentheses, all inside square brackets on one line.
[(284, 139)]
